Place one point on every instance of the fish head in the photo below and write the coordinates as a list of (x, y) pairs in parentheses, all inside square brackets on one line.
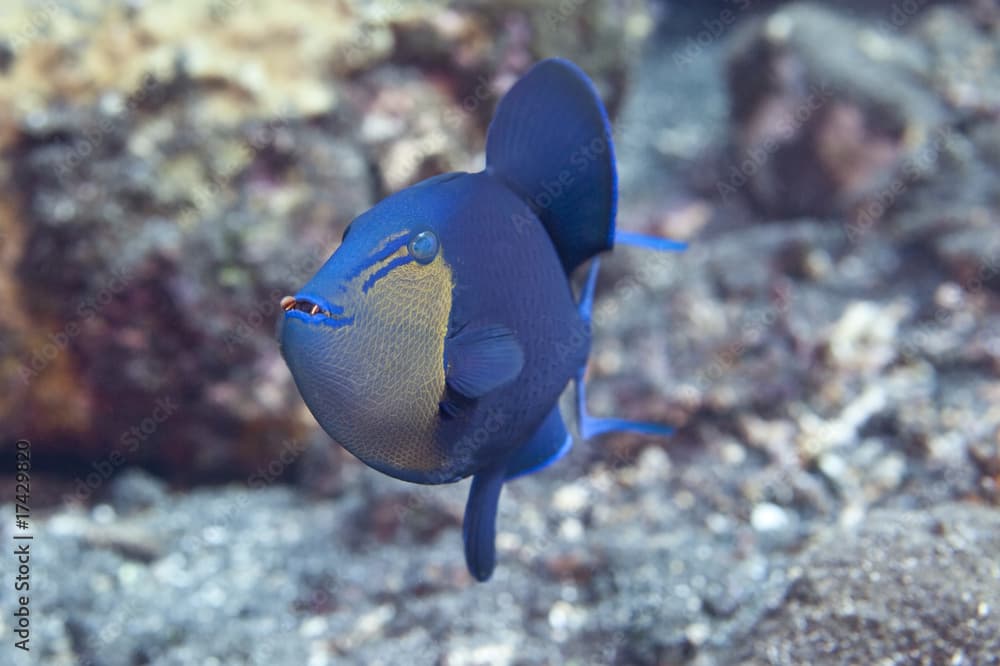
[(364, 338)]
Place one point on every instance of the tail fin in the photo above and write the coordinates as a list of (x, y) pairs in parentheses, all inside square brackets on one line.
[(590, 425), (550, 142)]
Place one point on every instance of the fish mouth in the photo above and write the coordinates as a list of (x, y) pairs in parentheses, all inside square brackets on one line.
[(313, 309)]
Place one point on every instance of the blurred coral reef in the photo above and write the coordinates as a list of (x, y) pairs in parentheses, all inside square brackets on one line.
[(172, 169), (828, 347)]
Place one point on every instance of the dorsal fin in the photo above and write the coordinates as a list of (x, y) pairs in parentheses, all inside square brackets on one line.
[(550, 142)]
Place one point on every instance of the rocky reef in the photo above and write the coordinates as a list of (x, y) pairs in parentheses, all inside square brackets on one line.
[(828, 348), (171, 169)]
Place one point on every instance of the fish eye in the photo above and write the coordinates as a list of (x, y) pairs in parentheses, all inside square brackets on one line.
[(424, 246)]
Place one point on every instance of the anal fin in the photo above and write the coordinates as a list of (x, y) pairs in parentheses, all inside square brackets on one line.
[(549, 443)]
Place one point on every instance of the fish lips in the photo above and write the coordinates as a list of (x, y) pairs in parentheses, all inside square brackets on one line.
[(311, 339), (310, 309)]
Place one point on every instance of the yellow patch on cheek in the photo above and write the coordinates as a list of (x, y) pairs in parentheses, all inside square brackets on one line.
[(405, 314)]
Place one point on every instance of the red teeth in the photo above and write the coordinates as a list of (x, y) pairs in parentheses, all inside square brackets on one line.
[(289, 303)]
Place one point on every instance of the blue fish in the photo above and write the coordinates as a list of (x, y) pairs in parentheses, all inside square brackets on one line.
[(436, 340)]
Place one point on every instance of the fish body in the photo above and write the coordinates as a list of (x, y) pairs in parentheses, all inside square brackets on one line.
[(436, 340), (495, 300)]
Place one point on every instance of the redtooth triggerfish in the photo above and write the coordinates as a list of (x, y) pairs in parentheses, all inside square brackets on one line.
[(436, 340)]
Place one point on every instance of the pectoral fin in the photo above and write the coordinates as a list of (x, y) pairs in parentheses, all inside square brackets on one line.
[(482, 359)]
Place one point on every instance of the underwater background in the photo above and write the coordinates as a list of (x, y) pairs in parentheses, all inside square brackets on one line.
[(828, 348)]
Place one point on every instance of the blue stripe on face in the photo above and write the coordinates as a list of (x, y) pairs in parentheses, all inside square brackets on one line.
[(382, 254), (382, 272)]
